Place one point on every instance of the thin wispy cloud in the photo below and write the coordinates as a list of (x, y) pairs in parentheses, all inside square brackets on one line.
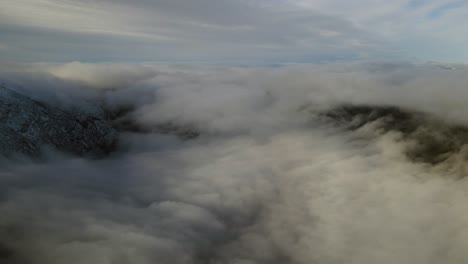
[(208, 30)]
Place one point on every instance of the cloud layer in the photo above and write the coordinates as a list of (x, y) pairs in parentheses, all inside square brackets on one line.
[(231, 31), (267, 180)]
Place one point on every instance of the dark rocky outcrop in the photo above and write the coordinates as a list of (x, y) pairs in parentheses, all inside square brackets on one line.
[(433, 140), (27, 125)]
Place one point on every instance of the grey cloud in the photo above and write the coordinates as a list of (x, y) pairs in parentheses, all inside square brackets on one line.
[(178, 30)]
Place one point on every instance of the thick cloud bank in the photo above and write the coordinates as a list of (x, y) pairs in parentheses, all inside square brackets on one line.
[(298, 164)]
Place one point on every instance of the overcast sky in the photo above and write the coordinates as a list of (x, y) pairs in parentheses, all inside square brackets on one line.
[(233, 30)]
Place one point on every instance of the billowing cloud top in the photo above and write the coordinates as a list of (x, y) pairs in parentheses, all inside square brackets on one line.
[(328, 164), (225, 30)]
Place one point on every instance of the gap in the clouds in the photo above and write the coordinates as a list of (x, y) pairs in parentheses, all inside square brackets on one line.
[(447, 7)]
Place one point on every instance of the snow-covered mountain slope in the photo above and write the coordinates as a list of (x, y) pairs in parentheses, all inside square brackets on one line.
[(27, 125)]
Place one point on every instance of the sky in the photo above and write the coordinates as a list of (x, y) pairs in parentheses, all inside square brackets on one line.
[(233, 30)]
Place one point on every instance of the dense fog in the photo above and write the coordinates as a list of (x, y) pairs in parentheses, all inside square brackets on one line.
[(338, 163)]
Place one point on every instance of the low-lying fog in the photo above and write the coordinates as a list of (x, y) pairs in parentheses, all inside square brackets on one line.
[(326, 164)]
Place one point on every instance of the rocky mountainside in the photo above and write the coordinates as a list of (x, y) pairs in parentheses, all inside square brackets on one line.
[(27, 125)]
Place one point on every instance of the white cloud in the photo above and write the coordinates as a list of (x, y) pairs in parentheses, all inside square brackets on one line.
[(264, 183)]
